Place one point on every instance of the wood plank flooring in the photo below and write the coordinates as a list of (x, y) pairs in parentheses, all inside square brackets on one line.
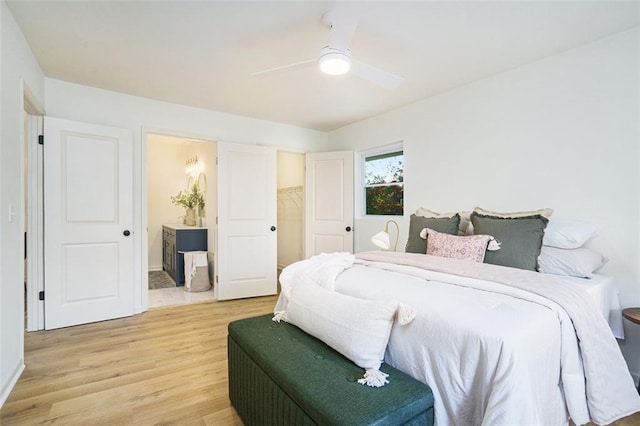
[(166, 366)]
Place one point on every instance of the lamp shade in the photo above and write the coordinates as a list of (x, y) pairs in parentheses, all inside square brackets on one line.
[(381, 239)]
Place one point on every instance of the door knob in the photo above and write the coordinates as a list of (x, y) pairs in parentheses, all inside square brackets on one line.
[(273, 228), (348, 229), (126, 233)]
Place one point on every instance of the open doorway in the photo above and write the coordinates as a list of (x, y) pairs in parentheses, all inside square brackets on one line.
[(178, 165), (168, 158), (290, 208)]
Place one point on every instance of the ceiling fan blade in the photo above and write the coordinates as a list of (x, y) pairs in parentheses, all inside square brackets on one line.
[(289, 67), (376, 75), (343, 20)]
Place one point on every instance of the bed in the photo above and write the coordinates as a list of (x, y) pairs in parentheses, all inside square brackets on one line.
[(497, 345), (605, 294)]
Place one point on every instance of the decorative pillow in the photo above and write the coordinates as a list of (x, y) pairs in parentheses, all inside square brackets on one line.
[(357, 328), (471, 248), (464, 228), (568, 234), (578, 262), (520, 238), (511, 215), (415, 244), (421, 211)]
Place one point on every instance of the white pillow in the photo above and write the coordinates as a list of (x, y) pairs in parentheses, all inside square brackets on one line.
[(357, 328), (568, 234), (579, 262)]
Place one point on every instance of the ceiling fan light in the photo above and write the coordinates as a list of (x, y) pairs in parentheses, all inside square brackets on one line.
[(335, 63)]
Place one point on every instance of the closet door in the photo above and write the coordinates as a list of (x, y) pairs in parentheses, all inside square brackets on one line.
[(329, 203), (247, 235)]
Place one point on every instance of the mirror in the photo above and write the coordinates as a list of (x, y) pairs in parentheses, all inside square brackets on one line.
[(202, 183)]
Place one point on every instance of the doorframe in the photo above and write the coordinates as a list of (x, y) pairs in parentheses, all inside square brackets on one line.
[(32, 196), (144, 211)]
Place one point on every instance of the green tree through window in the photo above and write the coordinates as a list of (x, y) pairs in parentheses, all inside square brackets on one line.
[(384, 183)]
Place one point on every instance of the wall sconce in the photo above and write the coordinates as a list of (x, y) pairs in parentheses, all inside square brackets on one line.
[(192, 166), (382, 240)]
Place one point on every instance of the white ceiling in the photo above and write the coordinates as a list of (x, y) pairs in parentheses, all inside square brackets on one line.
[(202, 53)]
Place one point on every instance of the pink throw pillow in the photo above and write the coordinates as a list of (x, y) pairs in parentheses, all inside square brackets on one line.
[(471, 248)]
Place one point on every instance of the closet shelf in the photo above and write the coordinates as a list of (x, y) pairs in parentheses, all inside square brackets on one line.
[(292, 193)]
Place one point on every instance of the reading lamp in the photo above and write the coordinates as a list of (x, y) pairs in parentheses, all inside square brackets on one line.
[(382, 240)]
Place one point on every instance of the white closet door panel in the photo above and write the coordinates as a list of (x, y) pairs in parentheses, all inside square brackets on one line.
[(247, 243), (329, 203)]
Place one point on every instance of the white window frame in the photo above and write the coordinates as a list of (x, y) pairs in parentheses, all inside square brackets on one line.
[(399, 146)]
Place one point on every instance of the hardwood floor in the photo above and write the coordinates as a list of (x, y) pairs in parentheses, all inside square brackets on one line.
[(166, 366)]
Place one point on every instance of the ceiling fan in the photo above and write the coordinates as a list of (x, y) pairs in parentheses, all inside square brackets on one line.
[(335, 57)]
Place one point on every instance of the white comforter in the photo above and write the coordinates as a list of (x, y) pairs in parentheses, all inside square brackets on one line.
[(492, 351)]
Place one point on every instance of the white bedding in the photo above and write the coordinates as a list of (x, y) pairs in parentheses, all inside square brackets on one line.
[(492, 355), (606, 295), (461, 344)]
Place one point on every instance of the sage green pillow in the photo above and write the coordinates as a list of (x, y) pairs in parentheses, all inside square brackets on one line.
[(447, 225), (520, 239)]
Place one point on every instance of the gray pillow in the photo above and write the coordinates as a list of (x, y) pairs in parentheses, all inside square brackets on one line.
[(447, 225), (520, 238)]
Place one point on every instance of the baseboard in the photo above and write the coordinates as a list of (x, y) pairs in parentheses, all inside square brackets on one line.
[(155, 268), (6, 390)]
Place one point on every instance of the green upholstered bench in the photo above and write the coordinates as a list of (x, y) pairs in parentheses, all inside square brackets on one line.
[(279, 375)]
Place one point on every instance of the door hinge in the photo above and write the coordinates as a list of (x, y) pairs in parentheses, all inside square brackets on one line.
[(41, 139), (216, 161), (217, 279), (216, 220), (41, 295)]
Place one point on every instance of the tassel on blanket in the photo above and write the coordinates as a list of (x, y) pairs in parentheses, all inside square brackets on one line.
[(374, 378), (280, 316), (405, 314), (494, 245)]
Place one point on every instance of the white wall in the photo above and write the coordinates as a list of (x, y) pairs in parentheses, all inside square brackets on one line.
[(17, 68), (142, 116), (290, 169), (561, 132), (165, 177), (290, 208)]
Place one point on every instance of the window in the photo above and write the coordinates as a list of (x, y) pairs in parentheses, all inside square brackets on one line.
[(383, 181)]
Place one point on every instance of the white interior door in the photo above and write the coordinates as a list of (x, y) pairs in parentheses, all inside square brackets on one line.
[(88, 196), (247, 241), (329, 203)]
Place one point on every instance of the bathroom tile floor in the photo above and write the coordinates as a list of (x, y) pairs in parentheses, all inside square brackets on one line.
[(175, 296)]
